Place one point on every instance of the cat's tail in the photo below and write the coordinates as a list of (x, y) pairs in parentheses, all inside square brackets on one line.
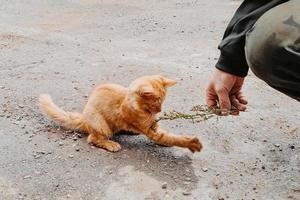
[(70, 120)]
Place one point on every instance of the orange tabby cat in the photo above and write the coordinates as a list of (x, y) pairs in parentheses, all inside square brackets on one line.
[(112, 108)]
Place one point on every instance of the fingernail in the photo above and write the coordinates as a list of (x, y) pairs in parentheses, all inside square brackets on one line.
[(235, 112), (224, 112)]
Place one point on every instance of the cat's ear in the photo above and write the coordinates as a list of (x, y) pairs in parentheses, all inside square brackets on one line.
[(146, 92), (168, 82)]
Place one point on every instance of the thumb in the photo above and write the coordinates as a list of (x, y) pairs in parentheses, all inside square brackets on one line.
[(224, 101)]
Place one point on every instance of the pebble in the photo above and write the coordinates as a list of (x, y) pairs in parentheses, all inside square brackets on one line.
[(37, 156), (37, 172), (61, 143), (2, 87), (277, 145), (204, 169), (164, 185), (188, 179), (27, 177), (77, 149), (21, 106), (71, 156), (292, 147), (187, 182), (186, 193)]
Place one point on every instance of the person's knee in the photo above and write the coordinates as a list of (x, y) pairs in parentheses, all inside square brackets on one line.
[(273, 47), (272, 39)]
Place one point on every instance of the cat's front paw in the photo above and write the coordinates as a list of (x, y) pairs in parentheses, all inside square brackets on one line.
[(194, 144)]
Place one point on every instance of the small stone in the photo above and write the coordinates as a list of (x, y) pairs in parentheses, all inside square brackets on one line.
[(188, 179), (186, 182), (2, 87), (204, 169), (186, 193), (164, 185), (61, 143), (27, 177), (71, 156), (21, 106), (277, 145), (68, 196), (37, 156), (263, 167), (292, 147), (77, 149)]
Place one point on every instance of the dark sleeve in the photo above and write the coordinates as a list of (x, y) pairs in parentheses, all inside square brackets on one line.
[(232, 58)]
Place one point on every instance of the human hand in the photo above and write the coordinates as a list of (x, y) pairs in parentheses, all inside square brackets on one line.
[(224, 89)]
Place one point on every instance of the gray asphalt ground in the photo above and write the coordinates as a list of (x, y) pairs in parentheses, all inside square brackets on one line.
[(65, 48)]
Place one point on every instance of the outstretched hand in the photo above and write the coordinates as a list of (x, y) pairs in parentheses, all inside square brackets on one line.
[(224, 90)]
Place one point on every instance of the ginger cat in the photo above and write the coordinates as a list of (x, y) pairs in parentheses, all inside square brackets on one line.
[(112, 108)]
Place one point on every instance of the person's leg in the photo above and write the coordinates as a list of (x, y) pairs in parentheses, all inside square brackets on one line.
[(273, 48)]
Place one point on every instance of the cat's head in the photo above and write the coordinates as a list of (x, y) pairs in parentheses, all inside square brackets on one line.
[(149, 92)]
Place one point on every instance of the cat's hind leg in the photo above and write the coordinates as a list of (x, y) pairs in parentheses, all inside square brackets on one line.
[(100, 132), (103, 142)]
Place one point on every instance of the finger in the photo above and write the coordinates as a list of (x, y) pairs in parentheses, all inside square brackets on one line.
[(211, 99), (235, 112), (224, 102), (241, 98), (235, 102)]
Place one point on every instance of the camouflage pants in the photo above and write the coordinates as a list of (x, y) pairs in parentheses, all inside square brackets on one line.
[(273, 48)]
